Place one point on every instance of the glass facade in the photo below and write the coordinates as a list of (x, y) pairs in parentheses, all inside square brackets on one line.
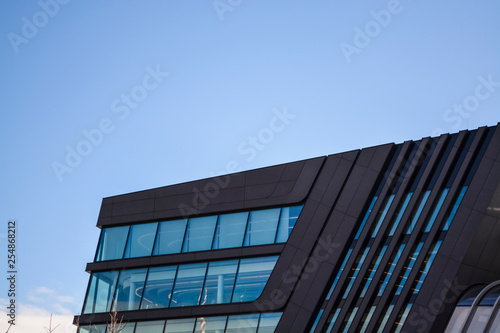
[(223, 231), (177, 286), (476, 311), (255, 323)]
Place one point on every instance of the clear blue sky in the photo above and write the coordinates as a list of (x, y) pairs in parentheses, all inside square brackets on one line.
[(341, 75)]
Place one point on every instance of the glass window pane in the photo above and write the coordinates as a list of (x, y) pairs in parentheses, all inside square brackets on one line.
[(199, 234), (365, 218), (337, 277), (101, 290), (129, 289), (170, 237), (458, 319), (481, 317), (261, 228), (409, 265), (431, 255), (150, 326), (220, 282), (211, 324), (93, 329), (268, 322), (112, 243), (180, 325), (188, 284), (140, 241), (496, 323), (230, 230), (400, 214), (252, 277), (316, 321), (158, 290), (288, 218), (391, 265), (455, 208), (242, 324), (381, 216), (128, 328), (400, 321), (418, 212)]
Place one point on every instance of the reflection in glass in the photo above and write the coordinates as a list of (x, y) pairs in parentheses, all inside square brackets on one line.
[(252, 277), (180, 325), (409, 265), (158, 290), (188, 284), (140, 240), (400, 214), (261, 228), (219, 282), (480, 319), (288, 218), (128, 328), (101, 290), (230, 230), (242, 323), (210, 324), (170, 236), (431, 255), (268, 322), (129, 289), (112, 243), (391, 265), (150, 326), (419, 211), (458, 319), (199, 234), (93, 329)]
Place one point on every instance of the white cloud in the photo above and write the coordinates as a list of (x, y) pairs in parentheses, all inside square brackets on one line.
[(33, 319)]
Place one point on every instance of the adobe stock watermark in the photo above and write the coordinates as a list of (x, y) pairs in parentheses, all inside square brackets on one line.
[(248, 148), (364, 36), (425, 316), (457, 113), (223, 6), (30, 28), (122, 107)]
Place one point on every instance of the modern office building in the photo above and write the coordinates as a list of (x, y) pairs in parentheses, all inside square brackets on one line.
[(393, 238)]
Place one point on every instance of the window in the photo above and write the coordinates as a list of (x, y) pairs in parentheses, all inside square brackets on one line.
[(112, 243), (140, 240), (289, 216), (242, 323), (101, 290), (170, 237), (158, 289), (199, 234), (188, 284), (150, 326), (261, 228), (211, 324), (223, 231), (230, 230), (204, 283), (180, 325), (252, 276), (219, 283), (129, 289)]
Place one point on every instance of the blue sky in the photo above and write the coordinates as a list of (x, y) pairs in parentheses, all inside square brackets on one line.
[(152, 93)]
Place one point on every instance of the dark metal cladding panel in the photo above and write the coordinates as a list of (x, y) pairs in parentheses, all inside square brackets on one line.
[(246, 190), (353, 187)]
